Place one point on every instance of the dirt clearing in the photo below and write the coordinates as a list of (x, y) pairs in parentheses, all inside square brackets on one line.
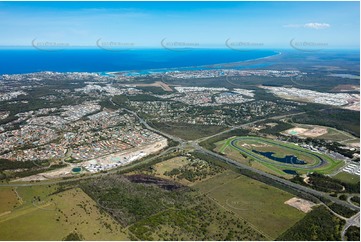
[(301, 204)]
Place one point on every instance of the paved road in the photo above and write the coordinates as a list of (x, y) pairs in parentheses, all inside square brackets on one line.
[(247, 124), (353, 221), (195, 145), (142, 121)]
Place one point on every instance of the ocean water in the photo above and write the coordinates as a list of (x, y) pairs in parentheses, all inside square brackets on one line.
[(17, 61)]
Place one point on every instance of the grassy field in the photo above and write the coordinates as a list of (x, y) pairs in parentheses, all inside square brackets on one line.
[(187, 170), (347, 177), (52, 217), (245, 146), (169, 165), (8, 200), (261, 205)]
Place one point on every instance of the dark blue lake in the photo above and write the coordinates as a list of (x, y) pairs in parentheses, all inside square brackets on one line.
[(291, 172), (289, 159)]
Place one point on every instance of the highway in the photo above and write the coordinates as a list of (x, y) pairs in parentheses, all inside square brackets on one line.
[(247, 124), (196, 146)]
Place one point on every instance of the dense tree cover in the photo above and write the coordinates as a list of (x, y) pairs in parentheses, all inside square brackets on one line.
[(353, 233), (341, 210), (327, 184), (120, 100), (12, 165), (153, 89), (330, 145), (281, 126), (324, 183), (356, 200), (343, 197), (129, 201), (144, 98), (202, 221), (319, 224), (73, 236), (195, 170), (342, 119), (188, 131), (11, 169)]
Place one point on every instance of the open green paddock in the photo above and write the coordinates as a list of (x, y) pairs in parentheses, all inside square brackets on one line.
[(248, 148)]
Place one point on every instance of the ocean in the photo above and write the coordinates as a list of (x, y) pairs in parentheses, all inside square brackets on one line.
[(18, 61)]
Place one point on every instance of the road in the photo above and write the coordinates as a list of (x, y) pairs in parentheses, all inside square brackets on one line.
[(146, 125), (196, 146), (353, 221), (248, 124)]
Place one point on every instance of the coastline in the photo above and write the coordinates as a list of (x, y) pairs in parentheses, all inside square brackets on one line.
[(206, 67)]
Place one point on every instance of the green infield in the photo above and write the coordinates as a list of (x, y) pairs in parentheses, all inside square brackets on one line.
[(277, 157), (347, 177)]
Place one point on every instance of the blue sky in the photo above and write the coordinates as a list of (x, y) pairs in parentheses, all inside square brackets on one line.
[(205, 24)]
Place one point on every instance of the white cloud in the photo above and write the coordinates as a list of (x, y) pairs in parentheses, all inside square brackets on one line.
[(308, 25), (317, 25)]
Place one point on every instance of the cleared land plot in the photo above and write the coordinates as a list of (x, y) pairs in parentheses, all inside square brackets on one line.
[(169, 165), (261, 205), (55, 216), (160, 84), (321, 132), (301, 204), (347, 177), (280, 157), (312, 132)]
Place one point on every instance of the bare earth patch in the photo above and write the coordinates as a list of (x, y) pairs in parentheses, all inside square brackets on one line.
[(300, 204), (314, 132), (160, 84)]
